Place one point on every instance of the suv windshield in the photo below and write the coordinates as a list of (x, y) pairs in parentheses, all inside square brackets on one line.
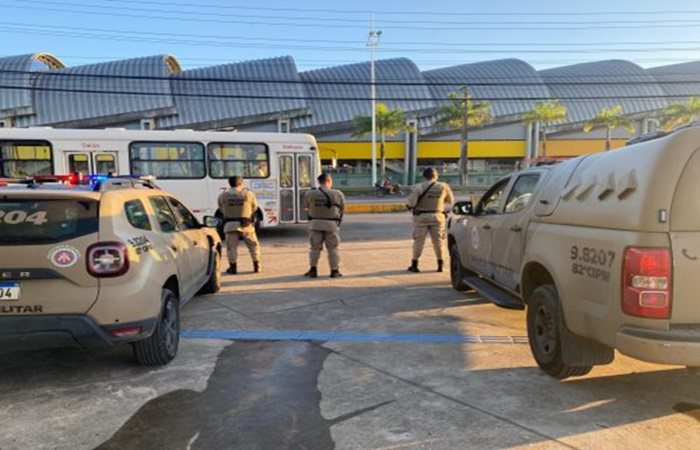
[(33, 221)]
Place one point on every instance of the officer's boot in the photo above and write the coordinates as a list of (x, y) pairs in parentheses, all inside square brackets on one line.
[(336, 273), (232, 269), (441, 263), (257, 267), (414, 266), (312, 273)]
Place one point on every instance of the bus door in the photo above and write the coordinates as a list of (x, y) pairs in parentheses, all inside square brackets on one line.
[(91, 163), (296, 175)]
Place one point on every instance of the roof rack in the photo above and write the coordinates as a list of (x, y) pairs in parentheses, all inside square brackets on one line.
[(646, 137), (546, 160), (105, 183)]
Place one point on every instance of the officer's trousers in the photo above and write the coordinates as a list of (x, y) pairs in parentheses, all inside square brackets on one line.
[(331, 239), (433, 225), (247, 234)]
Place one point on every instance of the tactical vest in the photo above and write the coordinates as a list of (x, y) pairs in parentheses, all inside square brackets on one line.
[(433, 201), (320, 207), (236, 205)]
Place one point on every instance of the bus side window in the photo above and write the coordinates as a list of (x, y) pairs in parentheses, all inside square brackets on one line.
[(25, 158), (248, 160)]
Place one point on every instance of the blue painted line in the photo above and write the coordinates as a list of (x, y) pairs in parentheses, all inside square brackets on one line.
[(241, 335)]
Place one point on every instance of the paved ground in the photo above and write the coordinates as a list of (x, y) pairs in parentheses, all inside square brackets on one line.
[(372, 360)]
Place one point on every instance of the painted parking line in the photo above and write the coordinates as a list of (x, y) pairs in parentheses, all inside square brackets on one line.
[(241, 335)]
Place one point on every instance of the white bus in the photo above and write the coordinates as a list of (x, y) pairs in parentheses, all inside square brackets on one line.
[(194, 165)]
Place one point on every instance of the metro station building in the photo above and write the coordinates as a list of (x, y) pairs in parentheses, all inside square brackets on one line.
[(154, 92)]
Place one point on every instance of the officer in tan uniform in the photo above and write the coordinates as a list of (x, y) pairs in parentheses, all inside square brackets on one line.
[(326, 207), (238, 206), (427, 202)]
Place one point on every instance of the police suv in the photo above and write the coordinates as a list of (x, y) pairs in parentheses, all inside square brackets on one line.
[(602, 250), (101, 262)]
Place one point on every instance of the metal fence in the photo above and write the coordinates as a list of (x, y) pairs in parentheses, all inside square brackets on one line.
[(360, 178)]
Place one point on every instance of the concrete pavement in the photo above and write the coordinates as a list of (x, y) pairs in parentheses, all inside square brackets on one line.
[(366, 380)]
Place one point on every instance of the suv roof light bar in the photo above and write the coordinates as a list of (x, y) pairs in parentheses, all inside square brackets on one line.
[(96, 182)]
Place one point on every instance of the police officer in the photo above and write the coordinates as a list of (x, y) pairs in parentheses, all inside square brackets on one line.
[(326, 207), (238, 206), (427, 202)]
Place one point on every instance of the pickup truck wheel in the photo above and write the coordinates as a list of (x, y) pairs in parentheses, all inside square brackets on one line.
[(161, 347), (213, 284), (544, 322), (457, 272)]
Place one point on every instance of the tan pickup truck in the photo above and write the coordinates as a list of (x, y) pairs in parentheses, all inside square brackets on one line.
[(602, 250)]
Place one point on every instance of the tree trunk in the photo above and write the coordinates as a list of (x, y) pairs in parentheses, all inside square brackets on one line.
[(543, 131), (464, 159), (608, 140), (382, 155)]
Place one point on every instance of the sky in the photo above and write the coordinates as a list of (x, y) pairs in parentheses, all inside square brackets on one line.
[(318, 33)]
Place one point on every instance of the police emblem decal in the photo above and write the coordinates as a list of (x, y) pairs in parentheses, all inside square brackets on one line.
[(475, 238), (64, 256)]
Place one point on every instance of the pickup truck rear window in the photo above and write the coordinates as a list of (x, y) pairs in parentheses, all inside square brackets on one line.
[(34, 221)]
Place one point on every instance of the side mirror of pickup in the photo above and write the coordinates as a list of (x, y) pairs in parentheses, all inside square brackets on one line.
[(212, 222), (463, 208)]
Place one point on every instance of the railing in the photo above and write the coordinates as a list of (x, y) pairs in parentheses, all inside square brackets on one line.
[(363, 178)]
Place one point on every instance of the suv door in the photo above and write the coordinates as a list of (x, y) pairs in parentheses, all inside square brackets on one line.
[(509, 231), (178, 242), (477, 247), (192, 229)]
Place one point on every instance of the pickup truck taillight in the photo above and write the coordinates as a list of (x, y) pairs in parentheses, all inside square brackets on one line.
[(646, 283), (107, 259)]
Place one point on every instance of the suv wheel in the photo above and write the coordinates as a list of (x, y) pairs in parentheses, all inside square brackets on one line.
[(544, 322), (213, 284), (457, 272), (161, 347)]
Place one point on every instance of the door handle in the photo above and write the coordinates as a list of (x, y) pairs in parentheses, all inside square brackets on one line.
[(173, 248), (516, 228), (486, 227)]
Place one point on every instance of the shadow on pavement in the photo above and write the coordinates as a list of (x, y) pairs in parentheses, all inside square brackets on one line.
[(261, 395)]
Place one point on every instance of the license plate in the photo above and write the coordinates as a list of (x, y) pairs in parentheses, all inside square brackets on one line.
[(10, 291)]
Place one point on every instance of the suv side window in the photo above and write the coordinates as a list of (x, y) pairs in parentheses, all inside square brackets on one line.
[(164, 215), (521, 193), (136, 215), (187, 219), (492, 201)]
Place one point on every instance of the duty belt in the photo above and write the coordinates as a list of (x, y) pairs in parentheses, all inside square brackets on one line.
[(418, 213), (337, 219)]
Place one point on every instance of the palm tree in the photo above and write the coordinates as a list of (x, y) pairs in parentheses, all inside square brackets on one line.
[(610, 118), (390, 122), (460, 112), (678, 114), (545, 113)]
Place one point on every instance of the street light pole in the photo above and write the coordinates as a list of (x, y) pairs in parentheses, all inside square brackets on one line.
[(373, 43)]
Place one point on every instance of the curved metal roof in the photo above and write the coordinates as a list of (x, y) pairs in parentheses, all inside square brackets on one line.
[(211, 111), (15, 77), (613, 80), (493, 80), (678, 79), (350, 100), (103, 93)]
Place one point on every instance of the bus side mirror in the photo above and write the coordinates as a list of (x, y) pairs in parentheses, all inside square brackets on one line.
[(212, 222), (463, 208)]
